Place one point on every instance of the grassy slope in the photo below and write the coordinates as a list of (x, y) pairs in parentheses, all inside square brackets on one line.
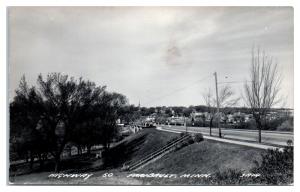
[(154, 141), (206, 157), (137, 146)]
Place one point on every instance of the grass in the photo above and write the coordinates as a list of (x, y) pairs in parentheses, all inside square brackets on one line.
[(207, 157), (154, 140), (137, 146)]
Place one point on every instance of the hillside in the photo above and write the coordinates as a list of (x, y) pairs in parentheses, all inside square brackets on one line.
[(138, 145), (207, 157)]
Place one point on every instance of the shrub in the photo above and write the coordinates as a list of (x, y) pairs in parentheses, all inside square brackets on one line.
[(227, 177), (178, 146), (191, 141), (184, 144), (277, 166), (198, 137), (275, 123), (286, 126), (182, 134)]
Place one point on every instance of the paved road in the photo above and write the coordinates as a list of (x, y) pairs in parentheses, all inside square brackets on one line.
[(270, 137)]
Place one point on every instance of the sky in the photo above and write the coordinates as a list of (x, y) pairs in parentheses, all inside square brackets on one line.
[(155, 56)]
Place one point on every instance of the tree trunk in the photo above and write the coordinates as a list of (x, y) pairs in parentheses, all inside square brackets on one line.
[(210, 125), (259, 132), (31, 160), (41, 161), (259, 126), (79, 152), (44, 156), (57, 163), (26, 157)]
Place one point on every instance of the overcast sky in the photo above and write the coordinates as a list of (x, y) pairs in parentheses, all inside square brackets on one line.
[(155, 55)]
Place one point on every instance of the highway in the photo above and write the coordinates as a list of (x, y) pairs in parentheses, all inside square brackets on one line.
[(268, 137)]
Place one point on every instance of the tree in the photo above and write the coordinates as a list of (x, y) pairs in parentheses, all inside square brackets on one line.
[(226, 100), (129, 114), (209, 101), (168, 112), (27, 140), (110, 108), (66, 110), (262, 90), (187, 111), (66, 103)]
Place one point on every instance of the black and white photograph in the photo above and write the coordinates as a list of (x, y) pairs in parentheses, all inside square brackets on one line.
[(150, 95)]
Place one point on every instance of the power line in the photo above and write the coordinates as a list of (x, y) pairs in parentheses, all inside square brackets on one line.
[(178, 90), (231, 82)]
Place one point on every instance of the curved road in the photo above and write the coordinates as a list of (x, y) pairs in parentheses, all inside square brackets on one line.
[(268, 137)]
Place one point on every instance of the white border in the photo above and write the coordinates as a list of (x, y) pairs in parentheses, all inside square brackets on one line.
[(3, 82)]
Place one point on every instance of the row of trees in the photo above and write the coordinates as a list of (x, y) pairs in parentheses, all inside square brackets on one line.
[(59, 110)]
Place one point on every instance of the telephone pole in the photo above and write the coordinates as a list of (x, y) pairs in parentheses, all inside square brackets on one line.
[(185, 125), (218, 105)]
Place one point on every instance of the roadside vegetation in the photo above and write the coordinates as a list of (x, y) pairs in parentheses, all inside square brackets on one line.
[(206, 157), (227, 165), (276, 168)]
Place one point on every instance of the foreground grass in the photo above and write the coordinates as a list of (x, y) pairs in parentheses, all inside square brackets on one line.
[(207, 157)]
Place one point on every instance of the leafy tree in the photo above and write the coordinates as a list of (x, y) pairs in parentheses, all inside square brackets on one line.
[(27, 139), (65, 110)]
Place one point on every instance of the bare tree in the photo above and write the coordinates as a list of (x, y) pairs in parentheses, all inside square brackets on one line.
[(209, 102), (262, 91), (226, 99)]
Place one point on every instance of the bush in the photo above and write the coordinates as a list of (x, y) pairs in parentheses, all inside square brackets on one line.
[(198, 137), (277, 166), (191, 141), (275, 123), (184, 144), (227, 177), (179, 146), (286, 126)]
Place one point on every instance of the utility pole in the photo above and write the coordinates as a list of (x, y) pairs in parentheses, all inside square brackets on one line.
[(185, 125), (218, 105)]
